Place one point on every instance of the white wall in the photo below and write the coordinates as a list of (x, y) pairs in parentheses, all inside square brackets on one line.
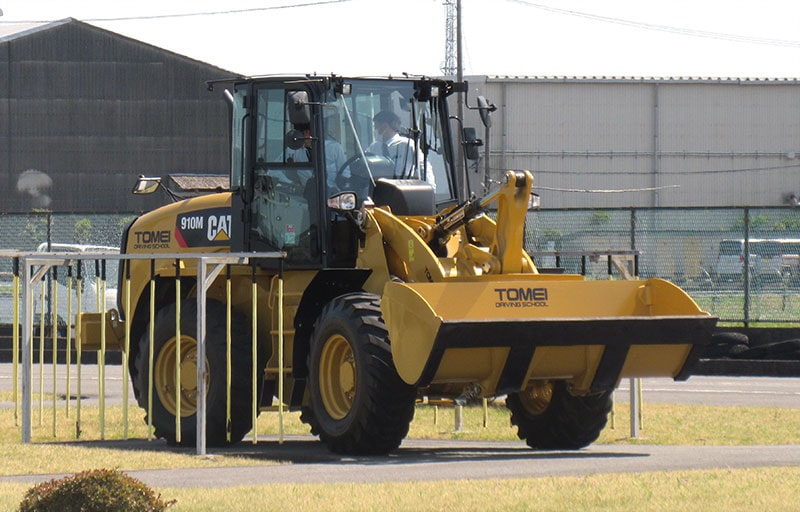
[(696, 142)]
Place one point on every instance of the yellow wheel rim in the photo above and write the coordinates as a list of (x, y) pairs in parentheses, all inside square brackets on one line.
[(164, 376), (337, 377), (536, 397)]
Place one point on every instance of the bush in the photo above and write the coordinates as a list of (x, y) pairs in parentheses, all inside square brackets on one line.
[(97, 490)]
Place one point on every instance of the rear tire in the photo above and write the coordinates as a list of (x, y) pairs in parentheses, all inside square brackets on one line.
[(164, 401), (358, 403), (548, 417)]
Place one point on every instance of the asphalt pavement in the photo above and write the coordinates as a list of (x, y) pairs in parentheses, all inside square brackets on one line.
[(304, 459)]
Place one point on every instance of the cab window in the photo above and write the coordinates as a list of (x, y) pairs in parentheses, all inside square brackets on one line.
[(284, 184)]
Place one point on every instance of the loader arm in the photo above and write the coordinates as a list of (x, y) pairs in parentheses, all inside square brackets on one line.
[(504, 238)]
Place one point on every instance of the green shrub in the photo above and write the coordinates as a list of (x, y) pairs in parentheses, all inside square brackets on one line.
[(97, 490), (83, 231), (599, 218)]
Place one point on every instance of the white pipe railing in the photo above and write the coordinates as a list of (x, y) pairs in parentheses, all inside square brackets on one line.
[(35, 266)]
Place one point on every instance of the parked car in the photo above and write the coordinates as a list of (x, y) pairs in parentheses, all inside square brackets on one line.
[(790, 260), (767, 265), (765, 259), (89, 283), (730, 260)]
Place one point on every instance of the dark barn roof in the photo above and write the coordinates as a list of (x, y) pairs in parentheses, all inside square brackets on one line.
[(92, 110)]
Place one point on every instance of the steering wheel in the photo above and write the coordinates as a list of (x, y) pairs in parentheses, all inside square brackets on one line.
[(360, 166)]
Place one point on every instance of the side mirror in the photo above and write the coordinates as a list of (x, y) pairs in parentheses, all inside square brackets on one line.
[(299, 108), (344, 201), (295, 139), (145, 185), (485, 110), (471, 143)]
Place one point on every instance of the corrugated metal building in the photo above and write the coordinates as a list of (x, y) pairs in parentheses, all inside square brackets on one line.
[(672, 142), (83, 111)]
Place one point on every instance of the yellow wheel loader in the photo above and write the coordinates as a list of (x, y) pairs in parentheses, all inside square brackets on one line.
[(398, 282)]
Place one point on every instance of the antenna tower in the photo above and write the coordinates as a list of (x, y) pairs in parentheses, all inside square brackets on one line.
[(449, 65)]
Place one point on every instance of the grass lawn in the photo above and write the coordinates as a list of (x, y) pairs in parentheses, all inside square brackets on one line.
[(768, 488)]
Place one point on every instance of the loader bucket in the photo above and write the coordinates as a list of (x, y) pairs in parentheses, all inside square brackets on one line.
[(506, 330)]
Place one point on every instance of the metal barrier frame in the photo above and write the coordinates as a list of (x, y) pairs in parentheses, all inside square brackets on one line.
[(209, 265)]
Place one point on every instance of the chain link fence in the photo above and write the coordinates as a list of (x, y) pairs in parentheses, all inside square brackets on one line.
[(47, 231), (740, 264), (28, 231)]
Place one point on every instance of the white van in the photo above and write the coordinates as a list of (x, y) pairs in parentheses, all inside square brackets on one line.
[(89, 300), (768, 264), (89, 293), (730, 260), (790, 255), (766, 260)]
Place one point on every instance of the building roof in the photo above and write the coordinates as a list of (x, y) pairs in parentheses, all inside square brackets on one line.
[(11, 31), (91, 109), (645, 79)]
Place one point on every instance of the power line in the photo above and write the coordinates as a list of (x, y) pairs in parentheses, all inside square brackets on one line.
[(663, 28), (672, 173), (605, 191), (194, 14)]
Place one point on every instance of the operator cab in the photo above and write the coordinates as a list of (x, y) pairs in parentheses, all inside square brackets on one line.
[(300, 143)]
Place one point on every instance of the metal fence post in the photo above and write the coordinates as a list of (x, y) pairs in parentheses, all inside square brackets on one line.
[(15, 339), (204, 280), (635, 407), (27, 328), (746, 267), (201, 356)]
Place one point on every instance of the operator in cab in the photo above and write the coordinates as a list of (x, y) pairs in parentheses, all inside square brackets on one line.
[(408, 159)]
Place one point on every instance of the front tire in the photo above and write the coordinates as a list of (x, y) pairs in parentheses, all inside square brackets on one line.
[(358, 403), (548, 417), (164, 375)]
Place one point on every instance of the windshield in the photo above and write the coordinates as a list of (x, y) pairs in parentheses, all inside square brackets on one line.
[(384, 132)]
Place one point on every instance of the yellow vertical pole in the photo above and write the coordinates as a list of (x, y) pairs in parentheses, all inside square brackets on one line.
[(151, 350), (254, 315), (178, 351), (78, 349), (41, 351), (68, 354), (54, 335), (228, 352), (641, 404), (127, 351), (280, 355), (15, 340), (100, 288), (485, 413)]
